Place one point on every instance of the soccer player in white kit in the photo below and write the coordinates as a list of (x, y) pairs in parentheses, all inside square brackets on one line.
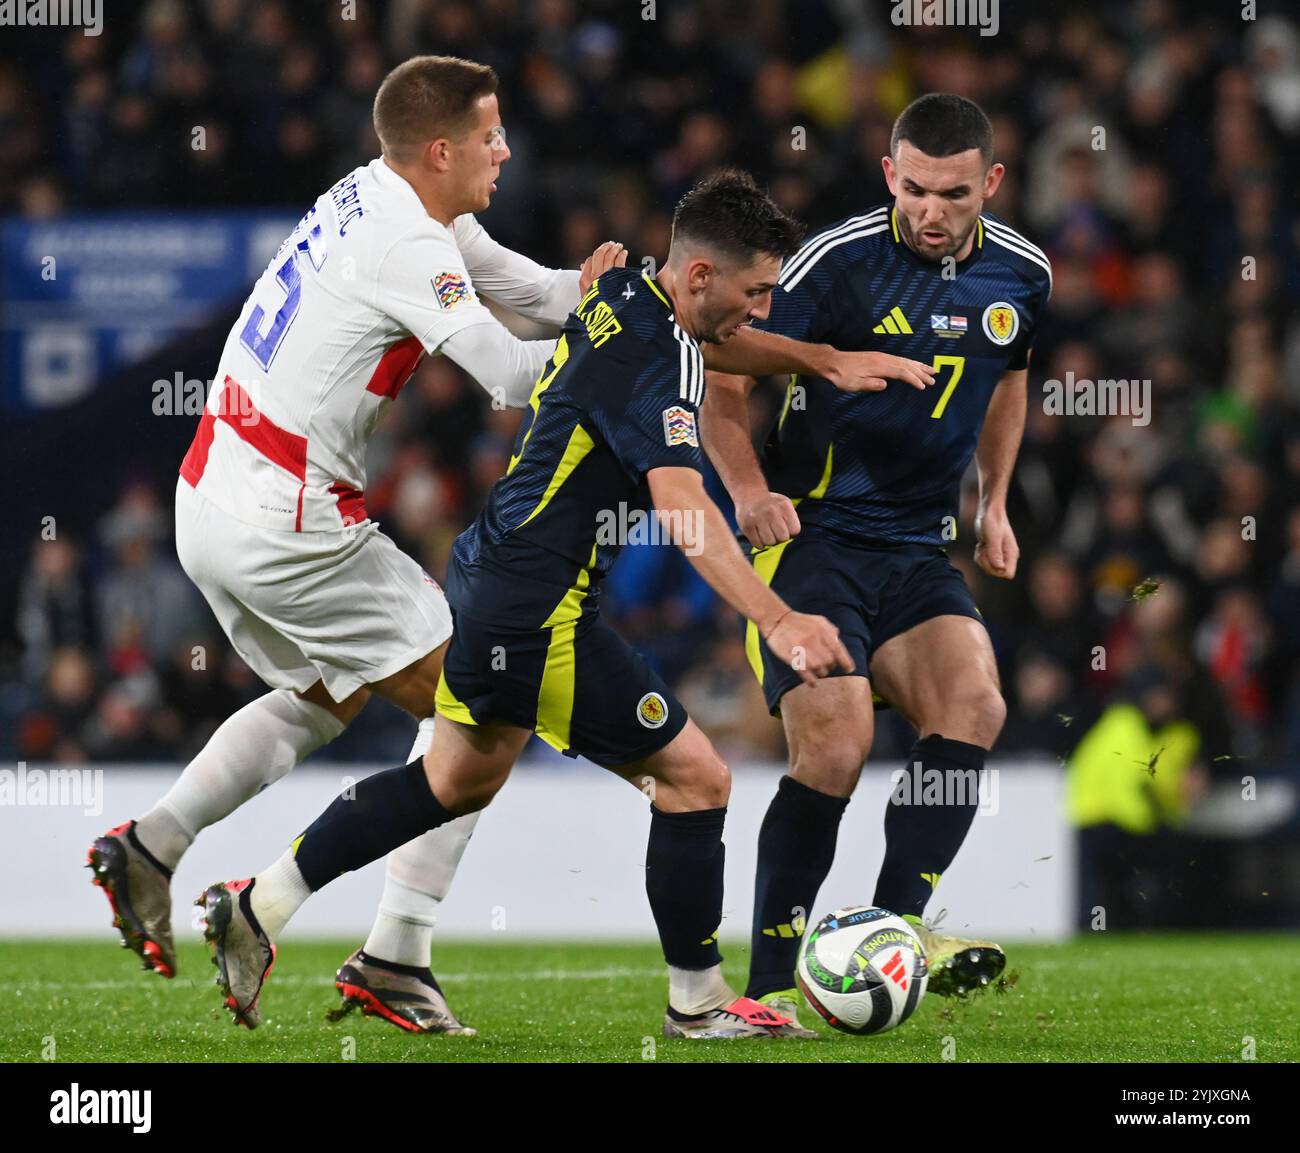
[(271, 521)]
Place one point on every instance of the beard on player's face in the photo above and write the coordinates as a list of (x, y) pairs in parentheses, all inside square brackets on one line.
[(711, 323), (935, 252), (735, 296), (719, 315)]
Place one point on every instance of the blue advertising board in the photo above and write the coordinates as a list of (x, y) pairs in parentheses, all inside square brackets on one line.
[(83, 295)]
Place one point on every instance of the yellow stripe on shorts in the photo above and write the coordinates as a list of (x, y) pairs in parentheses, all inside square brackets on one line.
[(448, 705), (765, 562), (555, 695)]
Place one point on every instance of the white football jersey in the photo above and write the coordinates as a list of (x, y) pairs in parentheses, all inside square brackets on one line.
[(364, 286)]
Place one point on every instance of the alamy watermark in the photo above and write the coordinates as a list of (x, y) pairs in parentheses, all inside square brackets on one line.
[(952, 787), (182, 396), (86, 14), (624, 525), (1078, 397), (981, 14), (78, 1106), (51, 788)]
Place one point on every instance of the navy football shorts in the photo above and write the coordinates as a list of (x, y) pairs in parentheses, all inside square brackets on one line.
[(581, 687), (870, 593)]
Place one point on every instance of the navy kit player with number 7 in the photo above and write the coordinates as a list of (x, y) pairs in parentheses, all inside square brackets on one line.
[(852, 505)]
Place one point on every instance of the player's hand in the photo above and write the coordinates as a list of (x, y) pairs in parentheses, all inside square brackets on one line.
[(609, 255), (810, 645), (996, 551), (768, 519), (872, 371)]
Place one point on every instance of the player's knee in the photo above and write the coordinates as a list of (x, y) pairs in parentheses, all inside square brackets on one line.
[(701, 782), (461, 797), (984, 713), (831, 767), (464, 791), (715, 783)]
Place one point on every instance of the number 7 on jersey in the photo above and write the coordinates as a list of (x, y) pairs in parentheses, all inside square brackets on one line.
[(957, 364)]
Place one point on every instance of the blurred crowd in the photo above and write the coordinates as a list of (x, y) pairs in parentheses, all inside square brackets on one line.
[(1164, 552)]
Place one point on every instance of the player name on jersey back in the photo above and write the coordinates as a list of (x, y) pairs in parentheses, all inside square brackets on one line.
[(364, 285)]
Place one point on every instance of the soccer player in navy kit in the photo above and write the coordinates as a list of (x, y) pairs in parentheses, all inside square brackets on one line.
[(852, 505)]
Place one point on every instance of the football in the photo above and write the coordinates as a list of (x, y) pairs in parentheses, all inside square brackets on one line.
[(863, 969)]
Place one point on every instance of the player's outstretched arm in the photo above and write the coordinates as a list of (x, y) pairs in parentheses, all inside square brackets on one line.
[(996, 550), (766, 518), (504, 366), (546, 295), (811, 645), (753, 352)]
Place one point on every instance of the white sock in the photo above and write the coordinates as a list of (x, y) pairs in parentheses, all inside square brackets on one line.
[(698, 990), (251, 749), (279, 893), (418, 876)]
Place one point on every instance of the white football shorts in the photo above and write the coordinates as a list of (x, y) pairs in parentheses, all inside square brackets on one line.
[(348, 608)]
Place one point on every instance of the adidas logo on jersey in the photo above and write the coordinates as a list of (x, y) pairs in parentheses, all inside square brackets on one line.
[(894, 323)]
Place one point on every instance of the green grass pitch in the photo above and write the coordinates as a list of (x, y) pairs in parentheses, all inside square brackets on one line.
[(1109, 997)]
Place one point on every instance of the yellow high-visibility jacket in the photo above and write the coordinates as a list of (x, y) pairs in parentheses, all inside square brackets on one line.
[(1115, 776)]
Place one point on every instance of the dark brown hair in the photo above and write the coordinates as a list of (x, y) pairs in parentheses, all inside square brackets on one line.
[(426, 98), (943, 124), (731, 214)]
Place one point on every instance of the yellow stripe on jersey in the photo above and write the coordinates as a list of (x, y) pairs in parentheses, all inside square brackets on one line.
[(789, 396), (555, 695), (655, 289), (558, 359), (580, 443), (825, 482)]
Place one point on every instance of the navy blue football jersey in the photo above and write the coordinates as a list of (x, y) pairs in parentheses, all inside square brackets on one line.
[(887, 466), (619, 397)]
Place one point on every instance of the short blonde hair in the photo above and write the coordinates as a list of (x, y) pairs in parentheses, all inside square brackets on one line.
[(427, 98)]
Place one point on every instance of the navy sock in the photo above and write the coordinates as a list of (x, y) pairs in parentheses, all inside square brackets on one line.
[(927, 818), (385, 811), (796, 846), (683, 879)]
